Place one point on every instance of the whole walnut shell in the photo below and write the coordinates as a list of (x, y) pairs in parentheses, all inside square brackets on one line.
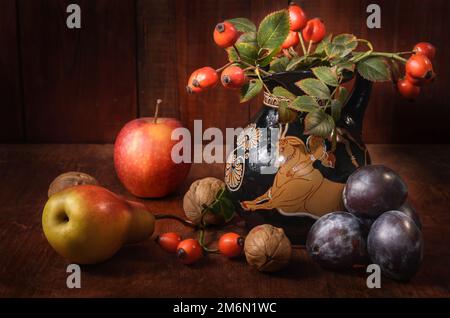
[(70, 179), (267, 248), (202, 192)]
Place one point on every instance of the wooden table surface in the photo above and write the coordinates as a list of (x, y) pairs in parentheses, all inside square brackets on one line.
[(30, 268)]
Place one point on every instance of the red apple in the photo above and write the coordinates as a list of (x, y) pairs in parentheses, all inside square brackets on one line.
[(142, 157)]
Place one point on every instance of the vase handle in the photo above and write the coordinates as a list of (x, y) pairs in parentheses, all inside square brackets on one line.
[(352, 116)]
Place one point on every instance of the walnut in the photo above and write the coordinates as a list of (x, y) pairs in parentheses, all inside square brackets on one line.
[(70, 179), (267, 248), (202, 193)]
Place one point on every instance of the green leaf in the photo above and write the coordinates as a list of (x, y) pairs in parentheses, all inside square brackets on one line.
[(273, 30), (302, 62), (374, 69), (243, 24), (266, 58), (332, 50), (248, 37), (247, 47), (357, 55), (326, 75), (283, 92), (349, 66), (342, 94), (322, 44), (227, 209), (294, 63), (250, 90), (223, 205), (305, 103), (247, 52), (342, 45), (285, 115), (336, 50), (347, 40), (319, 123), (336, 107), (279, 65), (314, 87), (396, 73)]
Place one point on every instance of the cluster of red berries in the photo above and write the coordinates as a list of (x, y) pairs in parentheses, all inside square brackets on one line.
[(419, 70), (233, 77), (225, 36), (189, 251), (312, 30)]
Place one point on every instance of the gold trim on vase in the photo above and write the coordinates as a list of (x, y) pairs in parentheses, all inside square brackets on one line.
[(272, 100)]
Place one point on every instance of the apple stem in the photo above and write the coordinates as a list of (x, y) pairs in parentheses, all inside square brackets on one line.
[(158, 101)]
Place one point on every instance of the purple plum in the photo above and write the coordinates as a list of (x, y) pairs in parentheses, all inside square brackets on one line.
[(409, 210), (373, 190), (395, 243), (337, 241)]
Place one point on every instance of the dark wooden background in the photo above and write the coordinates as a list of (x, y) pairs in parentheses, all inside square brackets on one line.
[(61, 85)]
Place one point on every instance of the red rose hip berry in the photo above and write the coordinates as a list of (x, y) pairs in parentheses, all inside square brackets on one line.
[(314, 30), (426, 49), (231, 244), (414, 81), (408, 89), (190, 88), (189, 251), (225, 34), (292, 40), (419, 66), (233, 77), (169, 241), (297, 17), (203, 78)]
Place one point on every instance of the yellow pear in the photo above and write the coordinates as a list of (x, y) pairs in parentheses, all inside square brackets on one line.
[(88, 224)]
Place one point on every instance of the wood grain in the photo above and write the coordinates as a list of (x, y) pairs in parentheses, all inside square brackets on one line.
[(30, 268), (195, 46), (157, 57), (79, 84), (11, 123)]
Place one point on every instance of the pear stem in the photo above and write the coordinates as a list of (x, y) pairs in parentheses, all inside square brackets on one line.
[(175, 217), (158, 101)]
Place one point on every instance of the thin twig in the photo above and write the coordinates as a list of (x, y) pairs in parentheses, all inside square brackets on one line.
[(237, 51), (389, 55), (224, 67), (177, 218), (201, 241), (405, 53), (302, 42), (309, 47), (259, 76)]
